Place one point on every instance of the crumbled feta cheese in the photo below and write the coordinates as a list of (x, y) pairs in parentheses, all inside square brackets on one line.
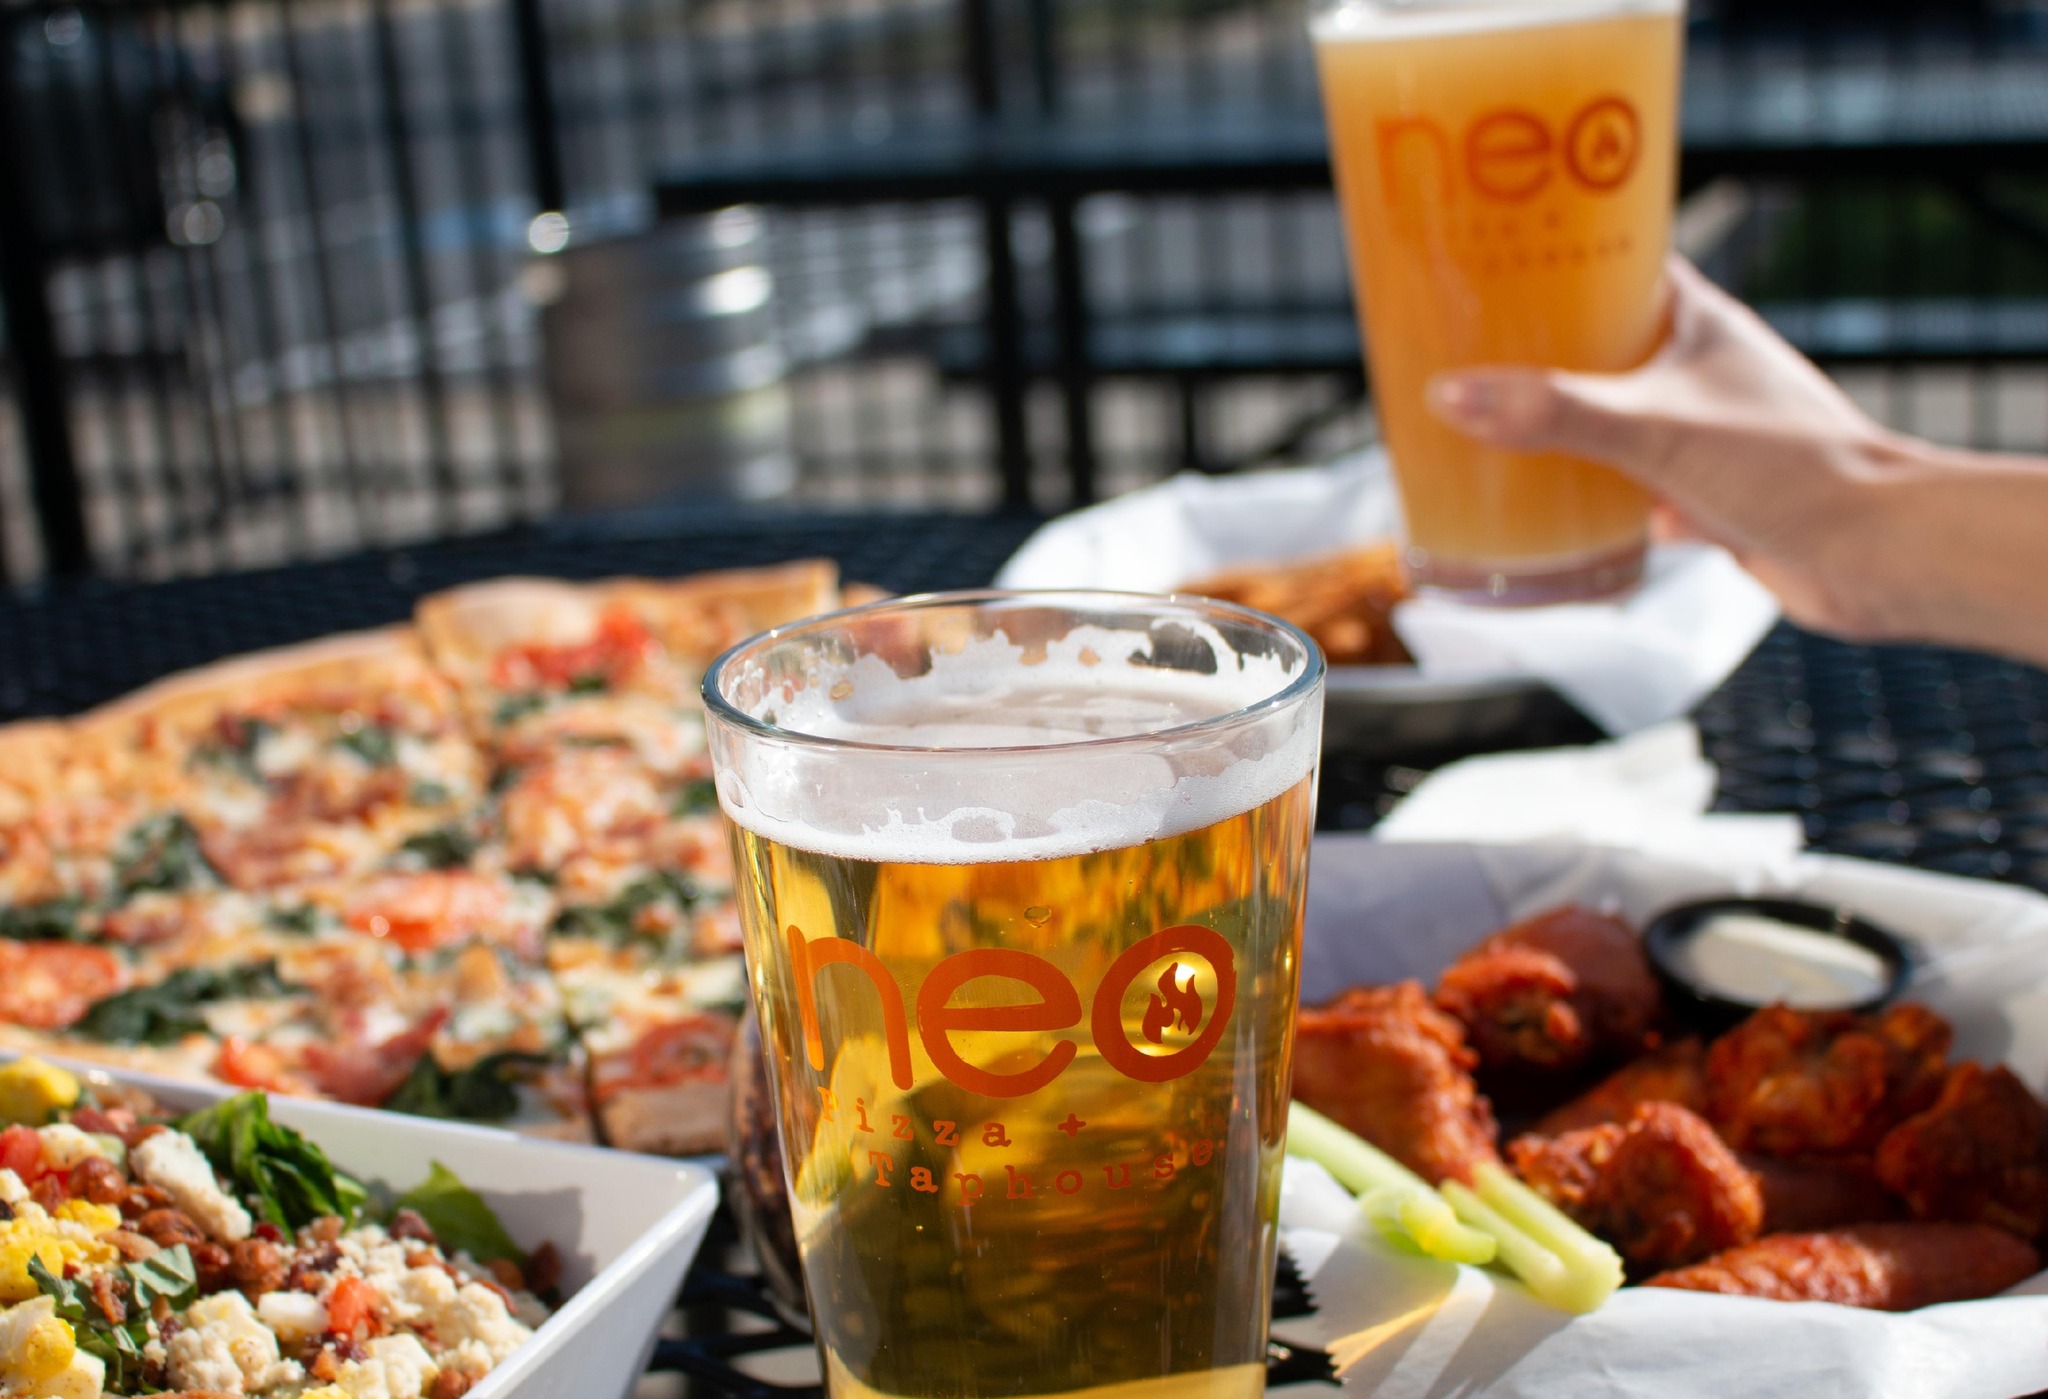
[(172, 1162), (461, 1316), (374, 1256), (12, 1191), (64, 1146), (398, 1367), (225, 1347), (292, 1314), (281, 752)]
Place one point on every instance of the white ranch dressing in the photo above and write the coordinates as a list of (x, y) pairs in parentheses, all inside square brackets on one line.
[(1758, 960)]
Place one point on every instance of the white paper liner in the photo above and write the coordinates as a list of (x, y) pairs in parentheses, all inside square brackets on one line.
[(1414, 1327), (1626, 664), (1650, 792)]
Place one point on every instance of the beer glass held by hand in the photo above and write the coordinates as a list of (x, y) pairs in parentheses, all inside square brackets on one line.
[(1021, 878), (1506, 170)]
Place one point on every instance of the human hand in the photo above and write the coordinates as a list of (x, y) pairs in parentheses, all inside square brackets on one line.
[(1744, 440)]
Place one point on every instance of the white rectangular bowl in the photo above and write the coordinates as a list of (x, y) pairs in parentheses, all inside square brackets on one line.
[(627, 1226)]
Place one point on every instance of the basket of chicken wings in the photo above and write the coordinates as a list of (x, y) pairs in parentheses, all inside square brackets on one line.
[(1859, 1162)]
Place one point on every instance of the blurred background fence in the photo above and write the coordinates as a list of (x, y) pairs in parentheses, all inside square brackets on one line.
[(283, 278)]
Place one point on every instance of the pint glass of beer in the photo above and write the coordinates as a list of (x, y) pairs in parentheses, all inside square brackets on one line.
[(1021, 878), (1506, 170)]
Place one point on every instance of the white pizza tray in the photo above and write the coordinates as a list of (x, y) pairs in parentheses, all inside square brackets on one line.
[(1404, 1326), (627, 1226)]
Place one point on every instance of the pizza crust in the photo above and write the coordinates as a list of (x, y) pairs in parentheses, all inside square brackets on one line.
[(677, 1119), (174, 711), (694, 618)]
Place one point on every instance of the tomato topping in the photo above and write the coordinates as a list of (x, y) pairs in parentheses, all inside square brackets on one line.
[(247, 1065), (49, 985), (420, 912), (352, 1308), (667, 1054), (21, 1151), (618, 647)]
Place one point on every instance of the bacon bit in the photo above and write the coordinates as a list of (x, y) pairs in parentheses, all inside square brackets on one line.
[(154, 920), (106, 1292), (274, 853), (49, 985), (266, 1230), (325, 1230), (619, 646), (49, 1192), (258, 1266), (324, 1367), (368, 1074), (544, 1268), (494, 1285), (507, 1274), (411, 1224), (451, 1384), (352, 1309), (420, 912), (90, 1119)]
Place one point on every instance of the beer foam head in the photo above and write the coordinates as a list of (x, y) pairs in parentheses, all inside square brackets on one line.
[(1368, 20), (996, 748)]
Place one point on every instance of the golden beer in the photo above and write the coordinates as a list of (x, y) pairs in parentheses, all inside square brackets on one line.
[(1030, 1036), (1506, 170)]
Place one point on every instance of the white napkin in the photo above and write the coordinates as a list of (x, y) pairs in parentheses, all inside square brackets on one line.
[(1626, 664), (1649, 792)]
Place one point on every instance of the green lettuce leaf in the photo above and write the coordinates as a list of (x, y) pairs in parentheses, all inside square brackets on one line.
[(285, 1178), (459, 1217)]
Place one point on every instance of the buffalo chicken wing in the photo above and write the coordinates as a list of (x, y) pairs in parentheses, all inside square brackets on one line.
[(1554, 995), (1979, 1155), (1885, 1267), (1664, 1189), (1794, 1082), (1391, 1067)]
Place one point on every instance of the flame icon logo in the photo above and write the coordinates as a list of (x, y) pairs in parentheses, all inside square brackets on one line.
[(1178, 1005)]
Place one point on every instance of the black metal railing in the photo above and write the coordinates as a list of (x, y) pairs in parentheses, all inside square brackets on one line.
[(277, 284)]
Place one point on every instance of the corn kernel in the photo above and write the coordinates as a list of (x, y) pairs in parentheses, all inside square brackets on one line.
[(30, 1091), (99, 1219)]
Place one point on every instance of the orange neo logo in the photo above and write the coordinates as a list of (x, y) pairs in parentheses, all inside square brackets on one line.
[(1176, 1004), (1511, 154)]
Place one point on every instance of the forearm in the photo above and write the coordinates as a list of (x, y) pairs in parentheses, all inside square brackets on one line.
[(1957, 550)]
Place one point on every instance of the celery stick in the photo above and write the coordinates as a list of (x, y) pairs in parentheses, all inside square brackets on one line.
[(1535, 1265), (1397, 1201), (1433, 1224), (1595, 1268), (1358, 1165)]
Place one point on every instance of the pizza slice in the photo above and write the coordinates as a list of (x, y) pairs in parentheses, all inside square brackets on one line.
[(296, 764)]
